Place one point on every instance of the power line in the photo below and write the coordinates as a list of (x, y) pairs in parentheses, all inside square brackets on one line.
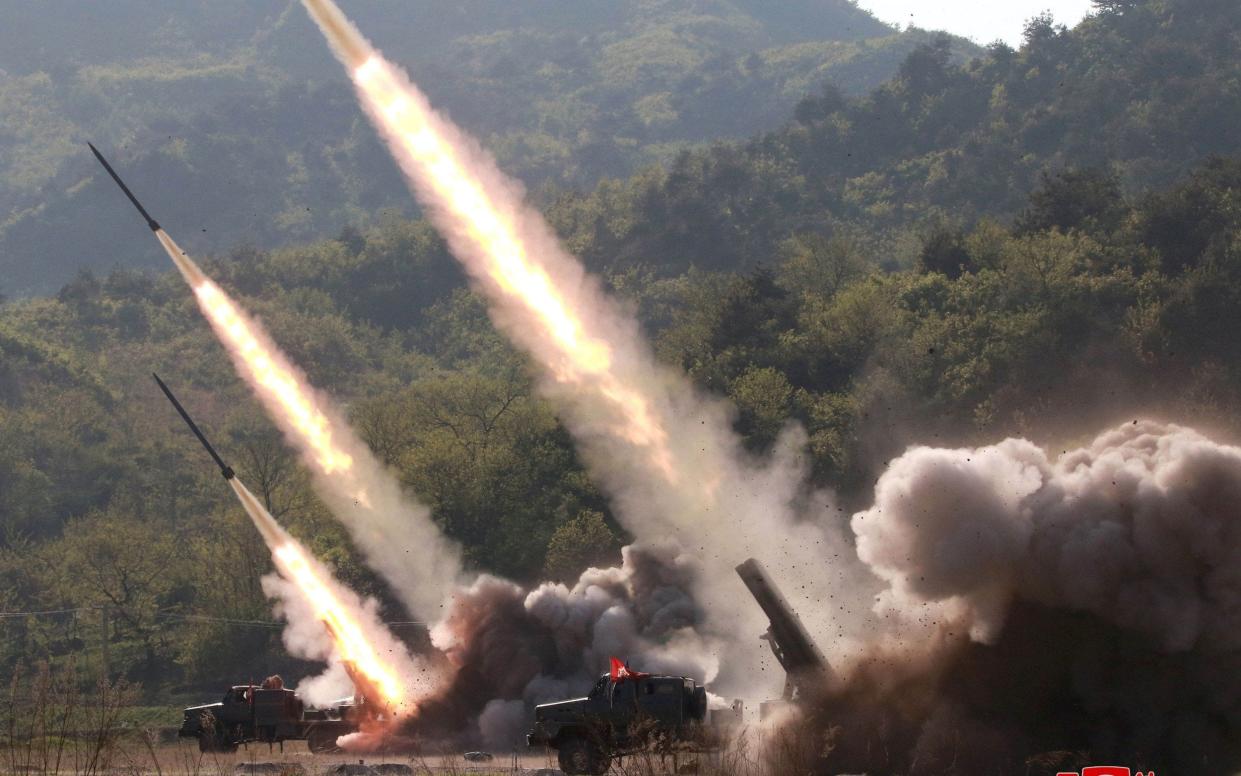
[(224, 620), (175, 617), (4, 615)]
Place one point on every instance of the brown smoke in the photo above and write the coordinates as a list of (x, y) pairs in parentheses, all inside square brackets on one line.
[(513, 648), (1050, 611), (665, 454)]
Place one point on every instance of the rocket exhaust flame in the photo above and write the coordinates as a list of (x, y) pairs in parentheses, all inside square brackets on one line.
[(667, 456), (494, 233), (395, 681), (398, 536)]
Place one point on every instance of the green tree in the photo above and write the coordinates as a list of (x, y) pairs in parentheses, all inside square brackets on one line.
[(815, 264), (126, 566), (1195, 218), (1088, 199), (945, 251), (764, 397), (582, 542)]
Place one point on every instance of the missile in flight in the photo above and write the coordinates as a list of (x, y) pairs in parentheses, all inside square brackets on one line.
[(225, 469), (151, 222)]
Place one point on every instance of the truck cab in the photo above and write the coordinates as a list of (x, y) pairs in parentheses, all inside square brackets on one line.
[(616, 717), (249, 713)]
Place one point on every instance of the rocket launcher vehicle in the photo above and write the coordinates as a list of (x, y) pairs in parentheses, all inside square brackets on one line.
[(807, 672)]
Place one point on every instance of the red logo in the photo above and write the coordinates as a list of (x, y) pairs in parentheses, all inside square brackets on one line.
[(1105, 770)]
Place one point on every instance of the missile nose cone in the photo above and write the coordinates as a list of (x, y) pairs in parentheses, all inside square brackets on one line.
[(225, 470), (151, 222), (346, 42)]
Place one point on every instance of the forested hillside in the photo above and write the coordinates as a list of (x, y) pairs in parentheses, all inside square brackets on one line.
[(1026, 244), (1143, 92), (224, 115)]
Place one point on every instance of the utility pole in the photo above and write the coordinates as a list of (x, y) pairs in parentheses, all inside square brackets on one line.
[(103, 644)]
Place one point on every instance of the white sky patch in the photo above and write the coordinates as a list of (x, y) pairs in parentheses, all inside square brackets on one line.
[(983, 22)]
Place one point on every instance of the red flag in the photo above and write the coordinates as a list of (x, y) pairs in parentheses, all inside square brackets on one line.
[(621, 671)]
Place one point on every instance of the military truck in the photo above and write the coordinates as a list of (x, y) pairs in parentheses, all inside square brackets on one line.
[(250, 713), (618, 716)]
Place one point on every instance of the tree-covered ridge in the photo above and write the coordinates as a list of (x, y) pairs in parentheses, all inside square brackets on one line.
[(1071, 291), (227, 118), (1094, 306), (63, 31), (1147, 90)]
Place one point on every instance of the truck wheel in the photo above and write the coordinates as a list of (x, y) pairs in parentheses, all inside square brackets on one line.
[(579, 757), (322, 741), (214, 742)]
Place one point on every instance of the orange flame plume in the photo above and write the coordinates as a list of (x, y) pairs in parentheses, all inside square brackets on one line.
[(354, 646), (499, 254)]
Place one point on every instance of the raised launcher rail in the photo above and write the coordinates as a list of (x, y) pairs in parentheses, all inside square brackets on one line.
[(807, 672)]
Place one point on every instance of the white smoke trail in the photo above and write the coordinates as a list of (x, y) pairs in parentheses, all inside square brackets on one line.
[(398, 536), (667, 455), (355, 641)]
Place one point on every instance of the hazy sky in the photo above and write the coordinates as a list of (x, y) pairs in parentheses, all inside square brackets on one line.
[(984, 21)]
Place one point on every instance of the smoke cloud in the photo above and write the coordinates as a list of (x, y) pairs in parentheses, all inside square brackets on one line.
[(396, 533), (512, 648), (329, 622), (666, 454), (1140, 528), (1024, 603), (1042, 604)]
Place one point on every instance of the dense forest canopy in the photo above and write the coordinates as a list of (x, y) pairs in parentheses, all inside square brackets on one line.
[(1040, 241), (1143, 91), (222, 113)]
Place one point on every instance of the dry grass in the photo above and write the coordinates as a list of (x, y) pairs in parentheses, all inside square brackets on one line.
[(750, 751), (182, 758), (49, 725)]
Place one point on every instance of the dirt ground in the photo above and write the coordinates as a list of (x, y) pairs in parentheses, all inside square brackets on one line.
[(184, 759), (144, 755)]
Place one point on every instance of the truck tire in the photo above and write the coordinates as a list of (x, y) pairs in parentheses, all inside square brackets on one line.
[(322, 740), (579, 757), (211, 741)]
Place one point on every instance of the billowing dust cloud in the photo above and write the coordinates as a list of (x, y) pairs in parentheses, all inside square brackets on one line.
[(1081, 602), (506, 648), (329, 622), (667, 455), (1022, 602), (1140, 528), (399, 538), (511, 648)]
